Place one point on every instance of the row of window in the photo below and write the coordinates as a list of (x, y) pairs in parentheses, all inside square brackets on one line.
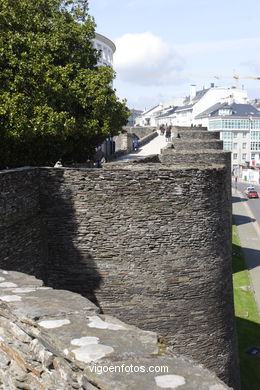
[(244, 156), (255, 135), (235, 156), (255, 145), (217, 124), (230, 135), (229, 145)]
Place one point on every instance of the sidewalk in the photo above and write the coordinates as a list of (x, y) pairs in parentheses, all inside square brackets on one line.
[(249, 235)]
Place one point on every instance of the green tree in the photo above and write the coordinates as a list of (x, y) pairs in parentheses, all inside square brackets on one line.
[(54, 100)]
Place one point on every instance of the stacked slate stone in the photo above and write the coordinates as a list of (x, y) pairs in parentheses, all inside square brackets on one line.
[(52, 340), (149, 243), (195, 145)]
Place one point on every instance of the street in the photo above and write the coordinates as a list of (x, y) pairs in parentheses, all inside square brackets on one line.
[(253, 204)]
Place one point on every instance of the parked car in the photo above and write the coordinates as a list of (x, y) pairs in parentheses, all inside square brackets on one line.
[(249, 188), (252, 194)]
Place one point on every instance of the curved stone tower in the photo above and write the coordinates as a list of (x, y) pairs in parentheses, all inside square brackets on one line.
[(149, 243)]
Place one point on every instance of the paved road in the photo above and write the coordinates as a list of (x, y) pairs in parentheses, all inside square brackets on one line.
[(247, 219), (254, 204)]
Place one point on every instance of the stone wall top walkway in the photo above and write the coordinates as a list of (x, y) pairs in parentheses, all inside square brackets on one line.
[(55, 339)]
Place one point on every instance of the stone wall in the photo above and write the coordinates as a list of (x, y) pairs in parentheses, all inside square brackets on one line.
[(149, 243), (211, 156), (124, 141), (55, 339), (140, 131), (197, 144), (22, 245), (187, 128), (196, 133)]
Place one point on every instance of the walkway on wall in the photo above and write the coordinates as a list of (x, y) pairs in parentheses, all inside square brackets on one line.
[(153, 147), (249, 235)]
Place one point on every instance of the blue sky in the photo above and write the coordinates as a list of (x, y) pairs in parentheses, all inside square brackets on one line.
[(163, 46)]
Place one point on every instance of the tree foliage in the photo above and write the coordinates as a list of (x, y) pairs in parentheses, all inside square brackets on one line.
[(54, 100)]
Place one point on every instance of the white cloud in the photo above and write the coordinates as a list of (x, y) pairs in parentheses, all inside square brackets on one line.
[(221, 45), (145, 59)]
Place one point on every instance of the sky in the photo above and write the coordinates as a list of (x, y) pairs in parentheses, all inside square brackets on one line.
[(164, 46)]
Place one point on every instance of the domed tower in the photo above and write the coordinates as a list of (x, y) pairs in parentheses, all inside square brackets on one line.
[(107, 48)]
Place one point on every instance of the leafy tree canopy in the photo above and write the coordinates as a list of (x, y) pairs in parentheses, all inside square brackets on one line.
[(54, 100)]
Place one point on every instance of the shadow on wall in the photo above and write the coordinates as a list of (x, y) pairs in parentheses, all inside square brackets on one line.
[(69, 267)]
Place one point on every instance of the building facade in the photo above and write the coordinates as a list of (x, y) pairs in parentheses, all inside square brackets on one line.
[(239, 126), (185, 111), (107, 49)]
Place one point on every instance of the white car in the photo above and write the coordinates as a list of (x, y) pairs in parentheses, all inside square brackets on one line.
[(248, 189)]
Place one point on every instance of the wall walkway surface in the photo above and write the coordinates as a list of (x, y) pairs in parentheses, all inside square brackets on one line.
[(55, 339)]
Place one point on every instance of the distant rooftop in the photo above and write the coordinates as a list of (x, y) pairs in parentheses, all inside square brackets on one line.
[(235, 109)]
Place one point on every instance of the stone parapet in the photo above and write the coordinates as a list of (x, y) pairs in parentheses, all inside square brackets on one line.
[(211, 156), (55, 339), (196, 144), (192, 134)]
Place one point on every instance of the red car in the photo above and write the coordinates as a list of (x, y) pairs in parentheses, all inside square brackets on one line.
[(252, 194)]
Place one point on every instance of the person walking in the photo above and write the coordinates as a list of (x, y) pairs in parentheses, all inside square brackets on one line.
[(168, 133), (98, 157), (162, 129)]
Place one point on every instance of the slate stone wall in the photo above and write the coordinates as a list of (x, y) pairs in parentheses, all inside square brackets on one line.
[(211, 156), (49, 337), (150, 244), (197, 144), (187, 128), (140, 131), (124, 141), (22, 245), (193, 133)]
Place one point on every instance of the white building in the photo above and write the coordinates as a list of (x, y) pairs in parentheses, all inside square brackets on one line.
[(239, 126), (199, 101), (107, 48), (148, 117), (185, 111)]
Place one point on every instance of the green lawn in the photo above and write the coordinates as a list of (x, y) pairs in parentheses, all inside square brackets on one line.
[(247, 319)]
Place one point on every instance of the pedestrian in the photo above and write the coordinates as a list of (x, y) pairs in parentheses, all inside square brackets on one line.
[(58, 164), (162, 129), (168, 133), (98, 157), (136, 144)]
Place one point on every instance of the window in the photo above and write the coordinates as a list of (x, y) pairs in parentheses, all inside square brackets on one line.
[(235, 135), (256, 124), (244, 156), (244, 145), (255, 146), (215, 124), (227, 145), (227, 135), (255, 135), (253, 156), (225, 111), (235, 146), (244, 134), (235, 156)]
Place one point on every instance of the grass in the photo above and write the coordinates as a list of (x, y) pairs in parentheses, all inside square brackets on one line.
[(247, 319)]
